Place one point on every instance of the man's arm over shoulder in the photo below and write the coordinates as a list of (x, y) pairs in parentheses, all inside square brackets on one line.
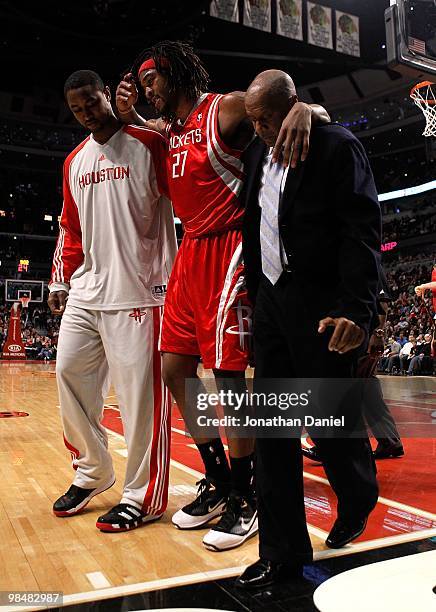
[(356, 207), (157, 144), (237, 130)]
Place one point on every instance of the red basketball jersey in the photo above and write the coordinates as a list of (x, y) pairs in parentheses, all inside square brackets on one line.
[(204, 174)]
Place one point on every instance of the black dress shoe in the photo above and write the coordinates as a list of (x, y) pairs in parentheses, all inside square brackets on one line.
[(388, 451), (311, 453), (344, 532), (265, 573)]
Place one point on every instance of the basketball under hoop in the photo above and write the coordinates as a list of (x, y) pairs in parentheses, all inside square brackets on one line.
[(424, 96), (24, 301)]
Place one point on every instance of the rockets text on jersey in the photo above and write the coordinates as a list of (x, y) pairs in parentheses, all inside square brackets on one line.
[(204, 174)]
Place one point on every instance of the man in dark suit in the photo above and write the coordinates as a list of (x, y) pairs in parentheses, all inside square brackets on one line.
[(311, 249), (377, 413)]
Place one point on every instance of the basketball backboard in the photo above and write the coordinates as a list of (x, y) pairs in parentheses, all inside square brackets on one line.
[(411, 37), (15, 289)]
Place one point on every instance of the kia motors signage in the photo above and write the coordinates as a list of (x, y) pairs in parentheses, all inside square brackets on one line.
[(13, 348)]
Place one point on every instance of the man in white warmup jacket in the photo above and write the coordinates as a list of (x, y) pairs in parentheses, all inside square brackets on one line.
[(111, 266)]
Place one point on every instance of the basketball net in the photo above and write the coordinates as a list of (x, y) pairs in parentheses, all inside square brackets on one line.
[(425, 99), (24, 301)]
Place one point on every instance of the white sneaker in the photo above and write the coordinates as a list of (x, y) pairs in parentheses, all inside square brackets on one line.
[(209, 503), (237, 524)]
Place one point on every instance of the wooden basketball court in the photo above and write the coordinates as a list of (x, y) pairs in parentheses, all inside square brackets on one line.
[(41, 552)]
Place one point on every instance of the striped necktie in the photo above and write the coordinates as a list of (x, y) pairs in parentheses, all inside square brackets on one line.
[(269, 222)]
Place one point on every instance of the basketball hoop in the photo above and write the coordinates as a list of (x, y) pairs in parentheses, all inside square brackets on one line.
[(425, 99), (24, 299)]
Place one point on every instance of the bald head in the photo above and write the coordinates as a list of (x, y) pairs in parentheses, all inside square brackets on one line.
[(268, 100), (272, 86)]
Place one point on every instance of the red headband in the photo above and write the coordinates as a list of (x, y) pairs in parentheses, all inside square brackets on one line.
[(150, 64)]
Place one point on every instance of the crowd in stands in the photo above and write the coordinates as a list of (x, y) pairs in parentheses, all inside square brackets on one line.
[(39, 330), (405, 260), (382, 111), (394, 171), (409, 324), (39, 136), (408, 354), (39, 254), (423, 203), (30, 202), (409, 226)]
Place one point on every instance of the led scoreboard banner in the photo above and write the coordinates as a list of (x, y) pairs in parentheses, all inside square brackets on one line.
[(388, 246)]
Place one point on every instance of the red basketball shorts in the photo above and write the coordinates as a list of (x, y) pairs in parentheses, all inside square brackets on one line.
[(207, 312)]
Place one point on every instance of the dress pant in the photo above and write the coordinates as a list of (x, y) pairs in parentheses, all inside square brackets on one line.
[(378, 416), (287, 345)]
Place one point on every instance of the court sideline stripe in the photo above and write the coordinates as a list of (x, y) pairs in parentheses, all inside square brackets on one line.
[(382, 500)]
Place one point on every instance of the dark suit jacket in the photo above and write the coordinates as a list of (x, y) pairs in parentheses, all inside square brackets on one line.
[(330, 225)]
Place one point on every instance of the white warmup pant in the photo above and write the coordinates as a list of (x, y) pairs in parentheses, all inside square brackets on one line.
[(123, 344)]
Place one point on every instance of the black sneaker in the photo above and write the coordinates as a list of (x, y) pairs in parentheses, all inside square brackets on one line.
[(237, 524), (124, 517), (75, 499), (209, 503)]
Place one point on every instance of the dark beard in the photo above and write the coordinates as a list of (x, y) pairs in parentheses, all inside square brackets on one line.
[(164, 114)]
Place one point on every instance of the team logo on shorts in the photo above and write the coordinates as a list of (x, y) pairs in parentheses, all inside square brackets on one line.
[(138, 313), (244, 327)]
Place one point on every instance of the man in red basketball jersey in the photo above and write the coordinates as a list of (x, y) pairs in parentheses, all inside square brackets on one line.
[(207, 312)]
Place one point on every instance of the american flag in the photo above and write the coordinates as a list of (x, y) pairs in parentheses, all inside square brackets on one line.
[(417, 45)]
